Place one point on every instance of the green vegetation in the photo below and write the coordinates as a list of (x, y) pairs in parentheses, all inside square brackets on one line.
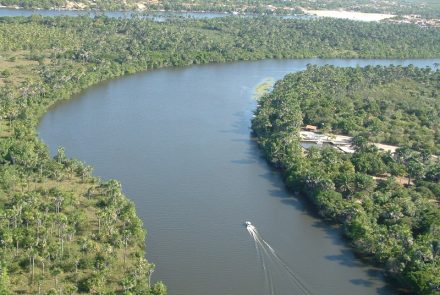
[(34, 4), (264, 87), (396, 225), (63, 231), (352, 102), (426, 8)]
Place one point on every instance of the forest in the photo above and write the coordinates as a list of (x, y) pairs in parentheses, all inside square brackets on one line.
[(393, 113), (387, 204), (64, 231), (425, 8), (428, 8)]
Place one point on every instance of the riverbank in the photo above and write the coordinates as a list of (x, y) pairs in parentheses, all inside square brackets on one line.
[(77, 62), (212, 105), (305, 14)]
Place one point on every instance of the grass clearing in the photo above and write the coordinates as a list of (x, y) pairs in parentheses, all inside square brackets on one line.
[(264, 87)]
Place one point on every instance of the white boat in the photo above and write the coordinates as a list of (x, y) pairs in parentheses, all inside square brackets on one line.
[(248, 223)]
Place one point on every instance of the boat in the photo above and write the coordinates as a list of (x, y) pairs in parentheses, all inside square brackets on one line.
[(248, 223)]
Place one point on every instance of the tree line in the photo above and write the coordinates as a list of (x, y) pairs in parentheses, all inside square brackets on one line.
[(426, 8)]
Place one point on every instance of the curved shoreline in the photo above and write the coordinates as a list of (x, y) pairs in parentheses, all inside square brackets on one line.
[(88, 79), (98, 116)]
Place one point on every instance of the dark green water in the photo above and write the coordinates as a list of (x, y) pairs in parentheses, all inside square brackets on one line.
[(179, 141)]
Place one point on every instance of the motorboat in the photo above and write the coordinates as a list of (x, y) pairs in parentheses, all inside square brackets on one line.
[(248, 223)]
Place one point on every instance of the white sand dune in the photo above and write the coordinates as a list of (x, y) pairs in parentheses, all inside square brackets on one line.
[(352, 15)]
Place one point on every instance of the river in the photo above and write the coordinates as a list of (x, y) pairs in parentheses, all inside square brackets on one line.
[(159, 16), (179, 141), (155, 15)]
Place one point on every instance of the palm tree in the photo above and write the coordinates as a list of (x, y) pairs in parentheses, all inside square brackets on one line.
[(58, 200), (56, 272), (32, 255), (126, 237)]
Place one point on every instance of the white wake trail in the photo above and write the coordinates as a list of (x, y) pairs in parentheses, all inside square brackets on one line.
[(292, 274), (267, 274), (271, 254)]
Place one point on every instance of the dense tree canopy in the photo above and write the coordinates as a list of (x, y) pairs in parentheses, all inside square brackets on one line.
[(393, 105)]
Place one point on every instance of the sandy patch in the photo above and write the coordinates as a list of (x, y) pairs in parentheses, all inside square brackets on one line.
[(386, 147), (75, 5), (352, 15), (10, 7), (141, 6), (343, 142)]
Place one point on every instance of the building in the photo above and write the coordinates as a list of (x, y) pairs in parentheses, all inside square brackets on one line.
[(311, 128)]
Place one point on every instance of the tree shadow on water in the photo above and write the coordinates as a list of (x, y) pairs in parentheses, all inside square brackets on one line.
[(288, 200), (252, 154), (241, 124), (387, 290), (361, 282), (384, 290), (374, 275), (345, 258), (279, 190), (332, 232)]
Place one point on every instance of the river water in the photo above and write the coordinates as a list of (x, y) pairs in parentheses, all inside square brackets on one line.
[(123, 14), (179, 141), (155, 15)]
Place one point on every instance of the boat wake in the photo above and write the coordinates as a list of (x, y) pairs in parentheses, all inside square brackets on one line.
[(266, 254)]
